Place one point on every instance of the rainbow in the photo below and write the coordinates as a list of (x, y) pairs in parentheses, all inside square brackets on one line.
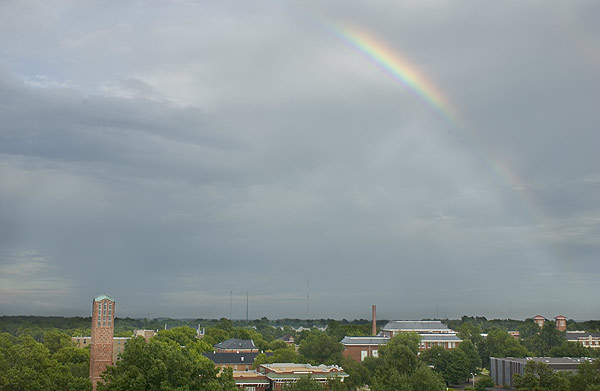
[(408, 75), (399, 69)]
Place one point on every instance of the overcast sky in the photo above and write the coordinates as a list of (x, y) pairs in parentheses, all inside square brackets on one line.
[(168, 153)]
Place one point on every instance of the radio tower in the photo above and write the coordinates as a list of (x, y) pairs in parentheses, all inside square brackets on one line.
[(307, 297)]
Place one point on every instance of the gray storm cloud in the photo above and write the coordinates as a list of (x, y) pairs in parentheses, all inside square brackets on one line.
[(180, 151)]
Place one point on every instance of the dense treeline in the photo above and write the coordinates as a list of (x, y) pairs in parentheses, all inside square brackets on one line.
[(28, 341), (486, 325), (54, 365)]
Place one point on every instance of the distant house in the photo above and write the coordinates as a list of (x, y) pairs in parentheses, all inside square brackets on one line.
[(234, 345), (288, 338)]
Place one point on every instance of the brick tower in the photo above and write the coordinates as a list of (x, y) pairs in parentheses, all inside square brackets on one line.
[(101, 349), (561, 322)]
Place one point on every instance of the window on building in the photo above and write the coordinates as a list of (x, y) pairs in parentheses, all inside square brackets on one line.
[(375, 353), (363, 354)]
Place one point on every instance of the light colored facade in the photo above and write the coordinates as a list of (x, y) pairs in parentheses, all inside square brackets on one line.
[(101, 341), (251, 381), (589, 340), (446, 340), (280, 374), (147, 334), (118, 345)]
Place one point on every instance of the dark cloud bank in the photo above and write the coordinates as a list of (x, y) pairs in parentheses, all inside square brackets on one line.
[(259, 159)]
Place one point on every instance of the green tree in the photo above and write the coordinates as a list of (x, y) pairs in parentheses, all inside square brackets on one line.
[(321, 348), (161, 366), (587, 377), (499, 343), (457, 370), (454, 365), (570, 349), (483, 383), (472, 354), (538, 376), (358, 374), (184, 336), (76, 359), (550, 337), (437, 357), (397, 367), (55, 340), (424, 379), (27, 365)]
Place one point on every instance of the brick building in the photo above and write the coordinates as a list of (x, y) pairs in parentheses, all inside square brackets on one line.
[(359, 348), (561, 322), (432, 333), (539, 320), (101, 342)]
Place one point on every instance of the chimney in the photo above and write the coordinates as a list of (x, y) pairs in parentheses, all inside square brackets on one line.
[(374, 321)]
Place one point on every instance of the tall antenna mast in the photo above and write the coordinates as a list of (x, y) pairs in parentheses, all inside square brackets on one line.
[(307, 296), (246, 306), (230, 303)]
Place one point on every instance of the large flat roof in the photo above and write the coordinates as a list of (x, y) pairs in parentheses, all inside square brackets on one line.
[(365, 340), (415, 325)]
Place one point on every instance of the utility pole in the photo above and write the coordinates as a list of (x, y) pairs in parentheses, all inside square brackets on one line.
[(230, 303), (246, 306)]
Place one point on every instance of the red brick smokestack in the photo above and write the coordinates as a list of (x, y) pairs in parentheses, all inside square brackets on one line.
[(374, 321)]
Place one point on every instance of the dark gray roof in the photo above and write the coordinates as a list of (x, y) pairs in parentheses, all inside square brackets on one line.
[(415, 325), (234, 343), (365, 340), (286, 338), (233, 358)]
